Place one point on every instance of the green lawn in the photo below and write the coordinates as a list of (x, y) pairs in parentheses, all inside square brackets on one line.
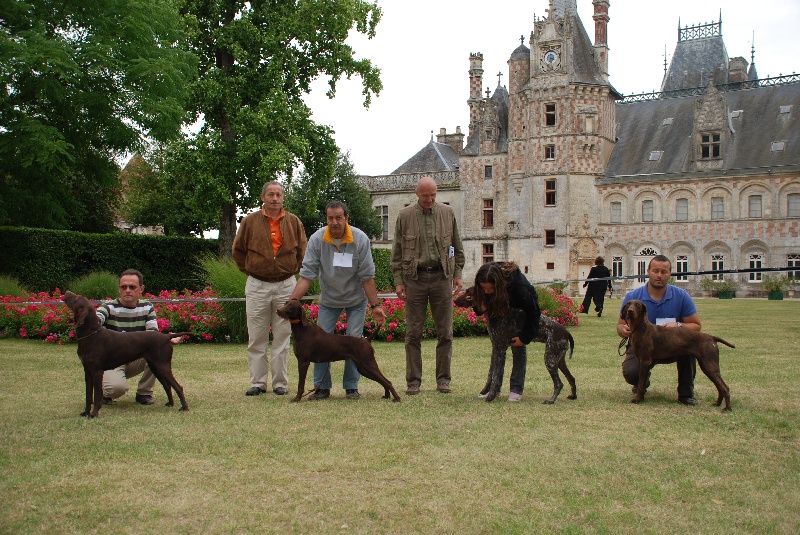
[(434, 463)]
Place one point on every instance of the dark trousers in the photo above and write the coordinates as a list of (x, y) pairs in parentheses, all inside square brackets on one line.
[(598, 293), (686, 372), (434, 289)]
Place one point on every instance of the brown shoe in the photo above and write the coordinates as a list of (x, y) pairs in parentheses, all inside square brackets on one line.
[(444, 388), (412, 390), (143, 399)]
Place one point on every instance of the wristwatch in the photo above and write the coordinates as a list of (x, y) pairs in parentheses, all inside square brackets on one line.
[(376, 305)]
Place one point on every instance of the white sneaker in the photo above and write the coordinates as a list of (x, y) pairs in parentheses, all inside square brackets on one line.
[(513, 396)]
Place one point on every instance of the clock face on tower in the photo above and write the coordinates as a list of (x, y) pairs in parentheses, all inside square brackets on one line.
[(551, 58)]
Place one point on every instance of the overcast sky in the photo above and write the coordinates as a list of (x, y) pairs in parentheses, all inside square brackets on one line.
[(422, 48)]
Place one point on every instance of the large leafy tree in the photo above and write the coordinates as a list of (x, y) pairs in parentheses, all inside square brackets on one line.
[(257, 60), (307, 203), (83, 82)]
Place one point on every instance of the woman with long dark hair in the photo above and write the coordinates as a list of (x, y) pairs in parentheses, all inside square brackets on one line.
[(500, 290)]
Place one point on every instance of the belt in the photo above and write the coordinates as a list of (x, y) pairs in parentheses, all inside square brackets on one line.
[(271, 279), (429, 269)]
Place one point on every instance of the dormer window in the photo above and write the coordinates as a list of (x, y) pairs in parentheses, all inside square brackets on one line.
[(710, 145), (490, 134), (667, 121), (786, 109), (736, 114), (777, 146), (656, 155)]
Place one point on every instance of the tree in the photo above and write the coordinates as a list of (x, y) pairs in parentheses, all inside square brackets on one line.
[(148, 202), (257, 58), (83, 83), (309, 205)]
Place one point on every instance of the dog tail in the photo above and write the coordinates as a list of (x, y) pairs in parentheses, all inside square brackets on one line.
[(723, 341)]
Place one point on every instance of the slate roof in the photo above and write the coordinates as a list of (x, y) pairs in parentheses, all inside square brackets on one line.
[(640, 130), (431, 158), (694, 63)]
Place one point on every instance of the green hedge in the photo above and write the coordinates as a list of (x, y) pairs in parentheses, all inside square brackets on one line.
[(43, 259)]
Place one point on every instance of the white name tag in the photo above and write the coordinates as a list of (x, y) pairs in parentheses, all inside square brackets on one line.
[(342, 259), (451, 252), (664, 321)]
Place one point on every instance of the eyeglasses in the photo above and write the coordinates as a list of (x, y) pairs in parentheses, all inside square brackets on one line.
[(128, 287)]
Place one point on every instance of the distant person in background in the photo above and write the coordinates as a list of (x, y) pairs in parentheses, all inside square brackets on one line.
[(597, 289), (128, 313)]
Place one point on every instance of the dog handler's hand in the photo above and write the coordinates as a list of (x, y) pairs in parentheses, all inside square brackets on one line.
[(379, 315), (516, 342)]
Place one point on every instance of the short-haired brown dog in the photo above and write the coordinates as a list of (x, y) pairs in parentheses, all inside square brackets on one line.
[(101, 349), (312, 344), (654, 342)]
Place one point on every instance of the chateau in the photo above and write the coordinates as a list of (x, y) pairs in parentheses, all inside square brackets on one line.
[(560, 167)]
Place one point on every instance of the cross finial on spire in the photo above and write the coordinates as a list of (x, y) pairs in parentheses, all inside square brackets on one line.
[(521, 40), (487, 92), (499, 75), (753, 49)]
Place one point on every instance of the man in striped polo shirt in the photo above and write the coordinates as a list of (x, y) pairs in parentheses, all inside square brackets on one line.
[(127, 313)]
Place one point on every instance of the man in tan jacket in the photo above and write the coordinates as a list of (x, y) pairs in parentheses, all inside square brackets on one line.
[(427, 259), (269, 247)]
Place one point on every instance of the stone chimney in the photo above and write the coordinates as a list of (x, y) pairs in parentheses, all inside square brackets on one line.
[(456, 141), (601, 35), (737, 70), (475, 88)]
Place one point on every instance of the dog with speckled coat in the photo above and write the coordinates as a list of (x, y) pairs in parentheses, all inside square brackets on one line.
[(555, 337)]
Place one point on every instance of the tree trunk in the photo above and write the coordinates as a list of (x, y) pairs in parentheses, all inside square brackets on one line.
[(227, 229)]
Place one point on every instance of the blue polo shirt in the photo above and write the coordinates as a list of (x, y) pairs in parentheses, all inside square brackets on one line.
[(676, 304)]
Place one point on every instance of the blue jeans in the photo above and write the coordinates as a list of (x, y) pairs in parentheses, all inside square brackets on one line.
[(356, 316)]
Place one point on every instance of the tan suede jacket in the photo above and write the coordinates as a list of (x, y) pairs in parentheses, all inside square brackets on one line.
[(252, 248)]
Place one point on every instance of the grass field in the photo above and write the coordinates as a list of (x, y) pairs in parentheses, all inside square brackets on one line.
[(434, 463)]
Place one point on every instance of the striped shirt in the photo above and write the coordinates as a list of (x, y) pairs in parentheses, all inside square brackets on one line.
[(117, 317)]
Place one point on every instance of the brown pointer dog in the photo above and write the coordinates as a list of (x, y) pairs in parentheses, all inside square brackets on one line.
[(312, 344), (101, 349), (652, 342)]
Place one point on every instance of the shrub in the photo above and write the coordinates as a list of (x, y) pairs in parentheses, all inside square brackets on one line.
[(11, 286), (224, 277), (776, 283), (97, 285)]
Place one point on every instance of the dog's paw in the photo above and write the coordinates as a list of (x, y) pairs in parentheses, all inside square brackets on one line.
[(572, 396), (636, 400), (183, 409), (548, 402)]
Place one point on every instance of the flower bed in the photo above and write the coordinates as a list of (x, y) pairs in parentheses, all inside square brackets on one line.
[(49, 321)]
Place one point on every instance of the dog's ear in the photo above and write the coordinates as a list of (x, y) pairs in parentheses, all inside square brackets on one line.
[(81, 316), (303, 318), (624, 312)]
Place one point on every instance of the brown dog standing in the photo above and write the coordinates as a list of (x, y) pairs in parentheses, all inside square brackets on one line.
[(101, 349), (651, 342), (312, 344)]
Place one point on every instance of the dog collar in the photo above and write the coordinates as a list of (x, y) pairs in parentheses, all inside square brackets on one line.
[(294, 321)]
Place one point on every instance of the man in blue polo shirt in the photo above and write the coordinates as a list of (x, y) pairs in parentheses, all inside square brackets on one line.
[(671, 307)]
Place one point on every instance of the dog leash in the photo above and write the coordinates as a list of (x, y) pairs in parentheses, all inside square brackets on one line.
[(322, 381), (623, 342)]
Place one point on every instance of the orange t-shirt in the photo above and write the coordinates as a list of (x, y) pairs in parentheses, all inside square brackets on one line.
[(275, 231)]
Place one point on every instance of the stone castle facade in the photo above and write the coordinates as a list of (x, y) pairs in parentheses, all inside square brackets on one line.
[(559, 167)]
